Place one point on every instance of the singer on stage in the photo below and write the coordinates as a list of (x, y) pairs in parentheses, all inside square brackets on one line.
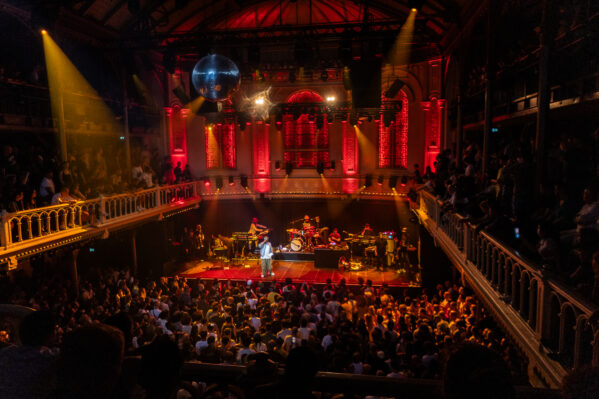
[(266, 254)]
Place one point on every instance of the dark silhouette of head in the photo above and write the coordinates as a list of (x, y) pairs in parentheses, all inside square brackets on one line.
[(473, 371), (36, 328), (90, 361)]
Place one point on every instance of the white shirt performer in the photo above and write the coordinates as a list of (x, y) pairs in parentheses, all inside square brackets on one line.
[(266, 257)]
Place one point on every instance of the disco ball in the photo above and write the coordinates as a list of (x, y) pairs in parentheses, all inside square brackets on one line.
[(215, 77)]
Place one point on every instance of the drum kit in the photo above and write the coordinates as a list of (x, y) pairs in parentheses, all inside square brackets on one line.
[(306, 239)]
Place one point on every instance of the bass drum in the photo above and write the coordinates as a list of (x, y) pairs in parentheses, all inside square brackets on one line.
[(296, 245)]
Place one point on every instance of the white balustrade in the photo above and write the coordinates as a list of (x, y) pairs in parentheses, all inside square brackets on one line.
[(558, 315), (21, 227)]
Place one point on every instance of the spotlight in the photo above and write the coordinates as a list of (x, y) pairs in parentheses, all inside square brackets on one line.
[(330, 99), (379, 180), (259, 101), (244, 181), (368, 181), (231, 181), (320, 168), (404, 181), (44, 32), (288, 168), (277, 165), (219, 182), (415, 5), (206, 181), (392, 182)]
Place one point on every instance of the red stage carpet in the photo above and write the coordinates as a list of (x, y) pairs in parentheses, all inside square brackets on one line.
[(298, 272)]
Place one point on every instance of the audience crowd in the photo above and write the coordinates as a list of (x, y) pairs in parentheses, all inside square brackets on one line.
[(30, 178), (358, 329), (558, 226)]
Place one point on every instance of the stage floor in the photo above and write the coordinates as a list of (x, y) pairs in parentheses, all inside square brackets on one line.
[(297, 271)]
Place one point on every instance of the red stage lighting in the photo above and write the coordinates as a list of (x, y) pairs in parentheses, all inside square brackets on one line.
[(207, 182)]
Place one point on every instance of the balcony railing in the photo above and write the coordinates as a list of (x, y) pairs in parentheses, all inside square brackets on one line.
[(27, 226), (557, 316)]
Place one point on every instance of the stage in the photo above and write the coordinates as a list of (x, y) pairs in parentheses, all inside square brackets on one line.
[(297, 271)]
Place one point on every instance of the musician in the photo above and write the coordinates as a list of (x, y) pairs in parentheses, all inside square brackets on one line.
[(367, 230), (266, 254), (403, 257), (256, 228), (219, 247), (307, 225), (334, 237), (198, 241)]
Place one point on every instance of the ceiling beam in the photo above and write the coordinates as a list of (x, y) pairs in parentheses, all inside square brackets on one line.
[(85, 7), (112, 11), (145, 13)]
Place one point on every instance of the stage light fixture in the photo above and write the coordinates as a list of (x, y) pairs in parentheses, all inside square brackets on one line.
[(244, 181), (392, 182), (320, 168), (231, 181), (44, 32), (332, 165), (259, 101), (379, 180), (206, 182), (288, 168), (219, 182), (353, 120), (368, 181), (330, 99), (415, 5), (277, 165)]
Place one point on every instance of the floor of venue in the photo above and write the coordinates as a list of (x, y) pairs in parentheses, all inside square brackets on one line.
[(297, 271)]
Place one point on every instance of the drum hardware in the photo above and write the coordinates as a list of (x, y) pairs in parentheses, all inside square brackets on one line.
[(296, 244)]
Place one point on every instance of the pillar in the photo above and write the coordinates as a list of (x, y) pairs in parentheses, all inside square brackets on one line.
[(490, 77), (62, 129), (126, 127), (134, 253), (546, 35), (74, 271)]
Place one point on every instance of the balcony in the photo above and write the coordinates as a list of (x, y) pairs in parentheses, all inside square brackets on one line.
[(33, 231), (552, 325)]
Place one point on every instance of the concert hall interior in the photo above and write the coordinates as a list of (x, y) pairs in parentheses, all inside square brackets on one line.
[(299, 198)]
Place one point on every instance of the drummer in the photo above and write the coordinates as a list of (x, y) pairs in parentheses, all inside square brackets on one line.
[(307, 225), (334, 238)]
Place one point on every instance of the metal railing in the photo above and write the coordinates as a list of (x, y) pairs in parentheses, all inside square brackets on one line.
[(25, 226), (560, 319)]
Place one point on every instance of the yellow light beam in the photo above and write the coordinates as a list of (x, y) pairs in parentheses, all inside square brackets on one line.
[(74, 102), (400, 53)]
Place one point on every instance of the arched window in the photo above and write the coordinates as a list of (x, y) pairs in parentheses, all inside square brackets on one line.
[(305, 130), (393, 134)]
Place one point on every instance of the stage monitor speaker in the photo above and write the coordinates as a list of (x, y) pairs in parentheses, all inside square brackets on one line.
[(328, 258), (366, 83)]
